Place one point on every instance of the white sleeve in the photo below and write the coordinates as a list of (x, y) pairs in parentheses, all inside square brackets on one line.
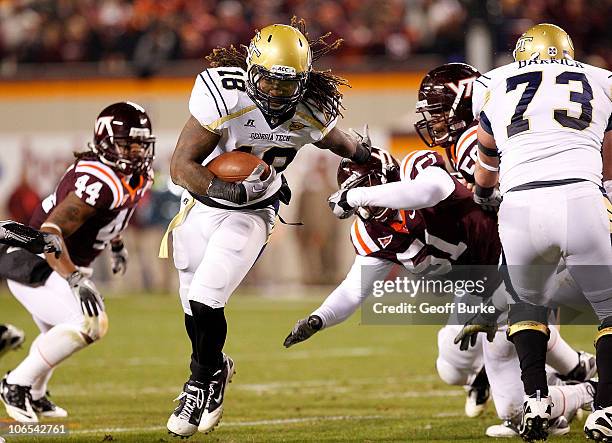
[(357, 285), (427, 189), (205, 103), (479, 94)]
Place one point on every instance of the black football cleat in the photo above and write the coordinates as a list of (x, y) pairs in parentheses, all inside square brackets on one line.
[(213, 410)]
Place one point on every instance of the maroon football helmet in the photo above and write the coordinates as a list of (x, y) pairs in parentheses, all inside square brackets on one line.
[(445, 102), (123, 138), (380, 168)]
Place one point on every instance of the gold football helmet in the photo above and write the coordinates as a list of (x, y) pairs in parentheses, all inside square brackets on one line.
[(544, 41), (278, 63)]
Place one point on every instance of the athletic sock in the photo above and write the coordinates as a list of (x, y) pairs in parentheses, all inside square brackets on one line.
[(210, 334), (47, 351), (560, 354), (604, 368), (531, 350), (567, 399)]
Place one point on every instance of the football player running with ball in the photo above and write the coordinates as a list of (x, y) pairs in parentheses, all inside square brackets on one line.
[(543, 121), (269, 102), (90, 207)]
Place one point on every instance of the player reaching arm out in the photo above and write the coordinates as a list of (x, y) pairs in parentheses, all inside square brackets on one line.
[(21, 236), (487, 168)]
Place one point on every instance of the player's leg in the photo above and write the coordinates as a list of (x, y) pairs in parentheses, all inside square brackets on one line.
[(54, 304), (569, 364), (231, 252), (589, 260), (463, 368), (41, 403), (532, 248), (231, 249)]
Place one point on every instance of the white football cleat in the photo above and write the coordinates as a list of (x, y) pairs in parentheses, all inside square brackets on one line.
[(17, 401), (536, 416), (598, 425), (184, 421), (509, 428), (477, 395), (10, 338), (46, 408), (213, 411)]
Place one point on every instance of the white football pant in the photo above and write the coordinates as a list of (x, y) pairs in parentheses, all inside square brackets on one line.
[(215, 248), (539, 227)]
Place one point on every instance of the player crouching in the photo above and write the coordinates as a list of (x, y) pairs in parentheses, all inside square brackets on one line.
[(91, 206)]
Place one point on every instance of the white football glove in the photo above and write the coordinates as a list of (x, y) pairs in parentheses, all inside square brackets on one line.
[(119, 257), (490, 203), (254, 185), (338, 204), (92, 303)]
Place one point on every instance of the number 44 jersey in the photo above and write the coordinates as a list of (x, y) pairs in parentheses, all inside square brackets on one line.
[(113, 196), (548, 118), (220, 103)]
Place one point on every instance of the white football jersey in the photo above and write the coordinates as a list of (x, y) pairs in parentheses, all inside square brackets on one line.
[(548, 118), (220, 103)]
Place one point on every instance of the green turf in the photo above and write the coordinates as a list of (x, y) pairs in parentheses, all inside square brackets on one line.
[(349, 383)]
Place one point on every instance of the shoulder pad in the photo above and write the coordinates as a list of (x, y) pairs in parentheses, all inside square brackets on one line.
[(96, 184), (417, 161)]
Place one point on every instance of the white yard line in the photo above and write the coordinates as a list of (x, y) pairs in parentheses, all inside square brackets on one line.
[(235, 424)]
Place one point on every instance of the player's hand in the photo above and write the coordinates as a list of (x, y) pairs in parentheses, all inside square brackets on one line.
[(338, 204), (119, 257), (364, 149), (87, 294), (254, 185), (480, 322), (52, 243), (489, 203), (303, 330), (22, 236)]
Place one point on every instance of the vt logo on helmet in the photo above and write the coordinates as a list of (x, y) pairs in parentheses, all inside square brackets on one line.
[(123, 139), (279, 61), (445, 102)]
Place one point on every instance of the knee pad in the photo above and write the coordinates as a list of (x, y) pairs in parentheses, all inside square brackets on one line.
[(605, 328), (525, 317)]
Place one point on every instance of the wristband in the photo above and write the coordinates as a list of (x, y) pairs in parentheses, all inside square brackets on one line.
[(483, 192)]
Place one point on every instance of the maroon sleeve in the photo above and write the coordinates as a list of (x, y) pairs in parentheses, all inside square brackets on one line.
[(94, 185)]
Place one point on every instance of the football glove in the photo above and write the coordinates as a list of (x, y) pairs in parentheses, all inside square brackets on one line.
[(21, 236), (488, 199), (364, 148), (254, 185), (480, 322), (119, 257), (87, 294), (251, 188), (303, 330), (338, 204)]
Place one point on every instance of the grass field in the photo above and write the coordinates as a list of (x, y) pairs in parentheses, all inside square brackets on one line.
[(349, 383)]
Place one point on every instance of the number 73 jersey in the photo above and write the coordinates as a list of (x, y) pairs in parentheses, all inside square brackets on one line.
[(548, 118), (220, 103)]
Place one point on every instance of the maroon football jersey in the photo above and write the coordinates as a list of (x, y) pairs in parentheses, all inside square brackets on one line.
[(464, 153), (431, 240), (99, 186)]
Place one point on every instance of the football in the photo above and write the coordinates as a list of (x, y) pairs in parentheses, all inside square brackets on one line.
[(235, 166)]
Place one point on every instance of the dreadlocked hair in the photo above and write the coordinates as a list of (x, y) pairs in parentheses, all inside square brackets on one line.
[(84, 155), (322, 87)]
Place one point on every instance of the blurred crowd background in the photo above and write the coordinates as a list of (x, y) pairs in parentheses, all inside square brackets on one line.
[(144, 35), (72, 40)]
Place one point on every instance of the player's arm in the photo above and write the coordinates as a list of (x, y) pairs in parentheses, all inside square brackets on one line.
[(356, 148), (22, 236), (607, 160), (194, 144), (487, 167), (344, 300), (63, 221)]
